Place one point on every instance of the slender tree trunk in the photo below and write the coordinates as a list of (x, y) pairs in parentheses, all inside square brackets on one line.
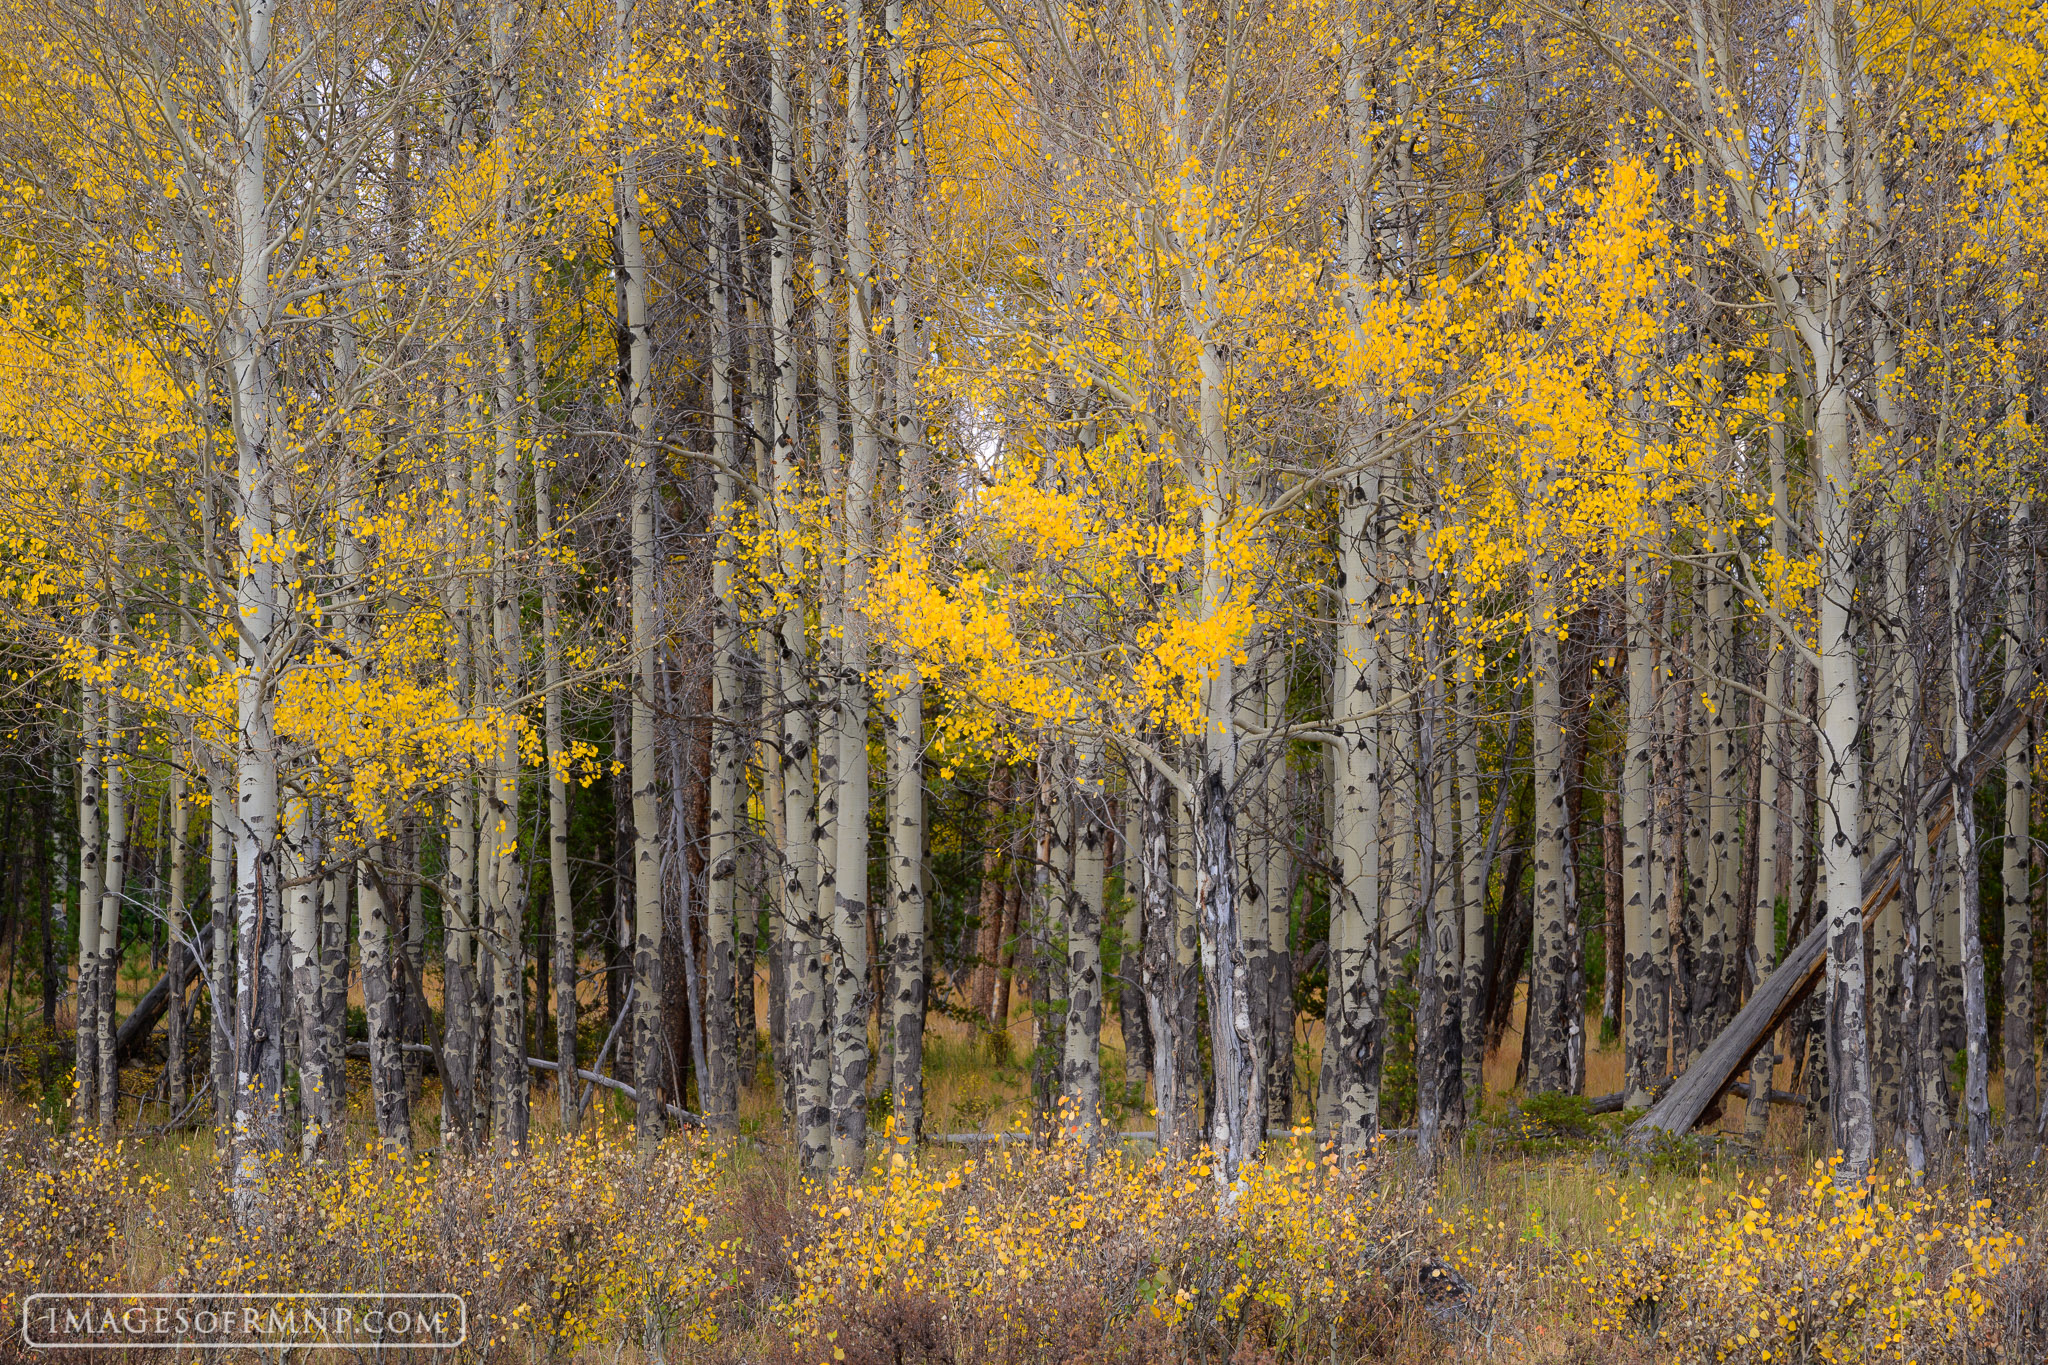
[(561, 897), (1132, 1013), (1081, 1064), (1771, 783), (178, 915), (1172, 1084), (1474, 857), (1551, 955), (1276, 978), (1763, 943), (1963, 843), (728, 948), (222, 975), (988, 941), (907, 909), (1438, 951), (850, 909), (50, 884), (91, 882), (649, 1120), (107, 965), (260, 613), (320, 1137), (2017, 910), (375, 948)]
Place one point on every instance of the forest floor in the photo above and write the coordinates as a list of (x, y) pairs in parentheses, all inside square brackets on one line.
[(1543, 1238)]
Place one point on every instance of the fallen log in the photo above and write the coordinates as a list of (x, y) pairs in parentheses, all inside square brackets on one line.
[(132, 1032), (1713, 1073), (361, 1053)]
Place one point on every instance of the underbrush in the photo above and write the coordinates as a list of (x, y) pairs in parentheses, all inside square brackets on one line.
[(582, 1251)]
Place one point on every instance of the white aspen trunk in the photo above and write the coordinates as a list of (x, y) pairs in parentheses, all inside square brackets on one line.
[(107, 964), (2017, 977), (1963, 847), (1849, 1074), (180, 919), (907, 909), (1081, 1062), (852, 988), (1250, 855), (1818, 312), (319, 1133), (563, 903), (1131, 1011), (259, 615), (1437, 942), (1277, 976), (91, 884), (1550, 953), (1726, 791), (1172, 1080), (649, 1118), (1770, 740), (1473, 873), (505, 938), (809, 1002), (728, 978), (221, 972), (334, 977)]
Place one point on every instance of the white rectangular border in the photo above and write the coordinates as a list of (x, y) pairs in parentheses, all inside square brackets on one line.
[(461, 1304)]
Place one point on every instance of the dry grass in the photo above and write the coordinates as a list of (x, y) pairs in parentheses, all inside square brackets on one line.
[(1560, 1248)]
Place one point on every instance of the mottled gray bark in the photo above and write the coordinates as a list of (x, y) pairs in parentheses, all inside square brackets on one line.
[(179, 916), (221, 973), (375, 948), (907, 908), (1963, 849), (1081, 1060), (1551, 953), (85, 1094), (107, 960), (2017, 909), (320, 1135), (1174, 1077)]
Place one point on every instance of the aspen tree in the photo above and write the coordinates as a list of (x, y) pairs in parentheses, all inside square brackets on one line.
[(850, 910), (1770, 741), (1358, 681), (809, 1000), (562, 901), (641, 461), (107, 955), (91, 881), (179, 917), (260, 609), (1081, 1063), (2016, 874), (905, 714), (729, 970)]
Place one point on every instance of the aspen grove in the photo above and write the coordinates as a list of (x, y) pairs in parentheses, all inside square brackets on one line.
[(666, 564)]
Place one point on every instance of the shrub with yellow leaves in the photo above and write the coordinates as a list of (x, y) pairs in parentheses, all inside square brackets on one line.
[(1793, 1271), (1054, 1253), (570, 1246)]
